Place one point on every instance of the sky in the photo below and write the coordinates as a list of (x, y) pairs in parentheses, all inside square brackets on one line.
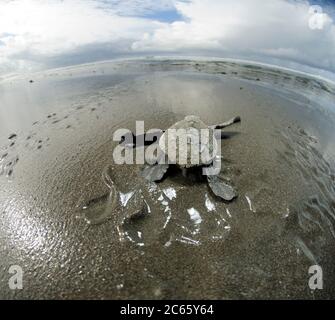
[(43, 34)]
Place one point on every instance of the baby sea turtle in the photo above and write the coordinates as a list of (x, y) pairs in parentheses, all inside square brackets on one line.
[(190, 144), (133, 204)]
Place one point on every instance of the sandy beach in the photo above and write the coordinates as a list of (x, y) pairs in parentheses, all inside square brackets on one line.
[(56, 137)]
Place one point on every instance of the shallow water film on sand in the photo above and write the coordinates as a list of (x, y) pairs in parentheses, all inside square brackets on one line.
[(81, 226)]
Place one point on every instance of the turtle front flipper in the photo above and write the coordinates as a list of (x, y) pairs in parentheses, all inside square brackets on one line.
[(154, 172), (221, 189), (227, 123)]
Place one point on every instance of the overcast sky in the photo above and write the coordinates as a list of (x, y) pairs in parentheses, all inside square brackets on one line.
[(38, 34)]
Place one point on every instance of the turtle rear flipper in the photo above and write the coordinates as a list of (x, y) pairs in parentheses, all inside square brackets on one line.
[(221, 188), (154, 172)]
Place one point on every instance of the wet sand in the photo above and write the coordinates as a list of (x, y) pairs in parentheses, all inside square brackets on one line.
[(280, 158)]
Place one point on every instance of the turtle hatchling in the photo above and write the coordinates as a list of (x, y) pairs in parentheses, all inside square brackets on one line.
[(191, 144)]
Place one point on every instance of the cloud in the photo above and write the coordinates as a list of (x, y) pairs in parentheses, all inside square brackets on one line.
[(40, 30), (53, 32), (53, 27), (273, 28)]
